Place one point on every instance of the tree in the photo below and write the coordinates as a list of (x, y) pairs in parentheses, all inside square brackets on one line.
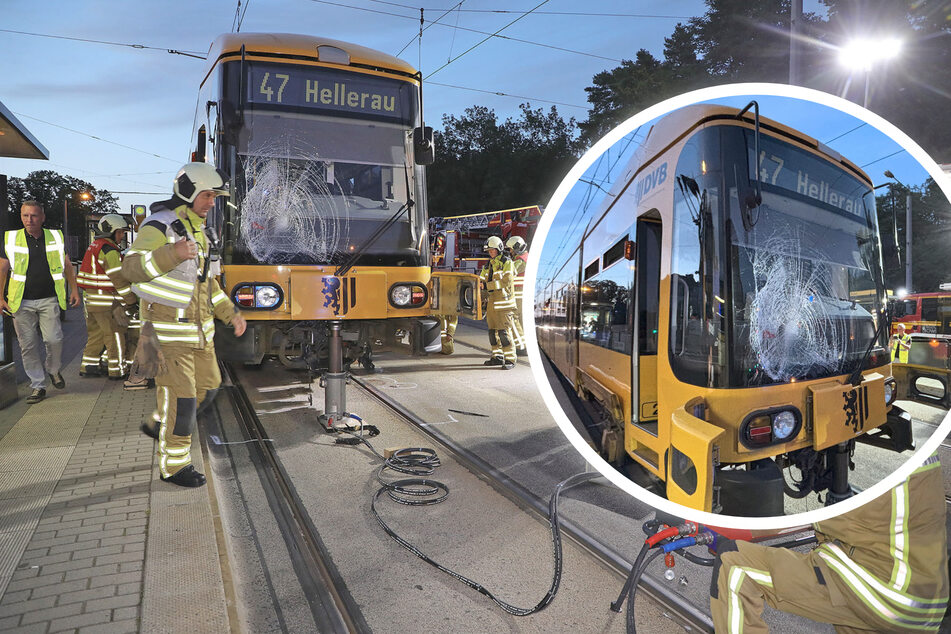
[(50, 189), (482, 164)]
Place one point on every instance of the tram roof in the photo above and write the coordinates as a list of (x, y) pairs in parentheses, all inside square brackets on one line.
[(16, 141), (299, 47), (671, 127)]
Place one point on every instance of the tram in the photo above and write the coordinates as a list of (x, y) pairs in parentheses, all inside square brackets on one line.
[(327, 223), (724, 311)]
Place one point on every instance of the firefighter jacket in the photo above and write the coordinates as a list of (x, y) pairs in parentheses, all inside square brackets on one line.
[(19, 254), (518, 263), (100, 276), (181, 306), (891, 553), (499, 278)]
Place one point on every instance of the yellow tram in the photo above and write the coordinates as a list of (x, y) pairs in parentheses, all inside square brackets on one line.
[(724, 310), (327, 223)]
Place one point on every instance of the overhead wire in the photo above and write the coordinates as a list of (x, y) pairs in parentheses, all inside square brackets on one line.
[(81, 39), (92, 136), (243, 13), (487, 38), (234, 20), (574, 13), (504, 94), (461, 28), (425, 28)]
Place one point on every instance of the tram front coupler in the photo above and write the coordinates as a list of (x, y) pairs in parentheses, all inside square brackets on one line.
[(334, 383), (895, 435), (822, 471)]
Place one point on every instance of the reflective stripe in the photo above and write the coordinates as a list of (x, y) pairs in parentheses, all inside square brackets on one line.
[(158, 291), (18, 278), (150, 267), (113, 270), (736, 578)]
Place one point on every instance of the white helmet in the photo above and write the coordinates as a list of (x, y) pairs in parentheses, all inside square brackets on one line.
[(517, 245), (110, 223), (195, 178), (494, 242)]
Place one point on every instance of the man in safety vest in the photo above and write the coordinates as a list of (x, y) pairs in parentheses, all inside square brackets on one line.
[(518, 251), (36, 294), (170, 267), (879, 568), (104, 290), (498, 277), (901, 344)]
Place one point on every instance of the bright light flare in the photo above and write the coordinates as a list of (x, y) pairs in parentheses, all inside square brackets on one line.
[(862, 54)]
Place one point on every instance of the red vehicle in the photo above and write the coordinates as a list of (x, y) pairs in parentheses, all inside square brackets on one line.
[(458, 241), (927, 313)]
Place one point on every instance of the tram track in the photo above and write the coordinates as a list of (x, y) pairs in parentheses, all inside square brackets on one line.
[(686, 614), (331, 606)]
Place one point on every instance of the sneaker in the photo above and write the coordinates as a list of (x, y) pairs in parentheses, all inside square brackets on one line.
[(38, 395), (494, 361), (186, 477), (58, 381), (508, 365), (137, 384), (149, 430)]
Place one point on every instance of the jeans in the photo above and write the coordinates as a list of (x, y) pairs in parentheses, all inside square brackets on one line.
[(45, 314)]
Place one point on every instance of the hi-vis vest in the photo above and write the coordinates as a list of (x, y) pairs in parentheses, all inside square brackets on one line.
[(499, 278), (94, 277), (19, 254), (176, 287)]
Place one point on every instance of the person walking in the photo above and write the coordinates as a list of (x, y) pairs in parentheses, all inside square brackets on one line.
[(170, 267), (518, 252), (498, 277), (104, 290), (36, 294)]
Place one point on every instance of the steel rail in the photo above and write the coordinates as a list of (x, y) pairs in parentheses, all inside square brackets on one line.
[(686, 613), (332, 607)]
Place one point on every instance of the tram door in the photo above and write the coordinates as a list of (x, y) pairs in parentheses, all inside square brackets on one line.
[(647, 290)]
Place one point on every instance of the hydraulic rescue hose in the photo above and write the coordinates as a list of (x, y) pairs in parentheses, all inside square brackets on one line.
[(420, 491)]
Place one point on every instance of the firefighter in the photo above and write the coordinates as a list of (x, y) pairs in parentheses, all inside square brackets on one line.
[(104, 289), (498, 277), (170, 267), (448, 325), (879, 568), (901, 344), (518, 251)]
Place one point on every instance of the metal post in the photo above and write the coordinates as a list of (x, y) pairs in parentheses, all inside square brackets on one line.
[(868, 71), (66, 227), (839, 464), (7, 334), (908, 280), (334, 382), (795, 29)]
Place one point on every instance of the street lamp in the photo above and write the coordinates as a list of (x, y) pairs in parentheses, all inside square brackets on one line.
[(84, 196), (862, 54), (908, 285)]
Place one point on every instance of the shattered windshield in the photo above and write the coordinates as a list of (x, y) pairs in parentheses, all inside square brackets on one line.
[(789, 289), (315, 188)]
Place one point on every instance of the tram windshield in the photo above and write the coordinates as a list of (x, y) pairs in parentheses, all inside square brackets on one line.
[(790, 289), (316, 180)]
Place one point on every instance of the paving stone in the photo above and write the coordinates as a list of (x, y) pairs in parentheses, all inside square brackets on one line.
[(102, 592), (115, 627), (35, 616), (22, 607), (79, 620), (121, 601), (92, 572), (60, 588)]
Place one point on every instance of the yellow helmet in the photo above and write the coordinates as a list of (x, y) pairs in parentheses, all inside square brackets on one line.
[(517, 245), (494, 242)]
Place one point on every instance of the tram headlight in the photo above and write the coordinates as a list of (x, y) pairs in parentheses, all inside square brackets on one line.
[(252, 296), (770, 427), (266, 296), (784, 423), (408, 295), (891, 391)]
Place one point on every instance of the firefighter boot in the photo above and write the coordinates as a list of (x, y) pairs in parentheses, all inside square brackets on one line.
[(186, 477)]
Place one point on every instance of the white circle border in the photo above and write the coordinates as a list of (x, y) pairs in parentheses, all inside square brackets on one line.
[(528, 316)]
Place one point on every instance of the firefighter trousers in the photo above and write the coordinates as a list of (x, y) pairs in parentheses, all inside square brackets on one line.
[(448, 326), (794, 582), (192, 375), (102, 331), (518, 333)]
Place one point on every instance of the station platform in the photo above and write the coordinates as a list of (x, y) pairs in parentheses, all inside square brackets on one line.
[(91, 540)]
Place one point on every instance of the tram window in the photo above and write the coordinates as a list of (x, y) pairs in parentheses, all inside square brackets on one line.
[(605, 314), (592, 269), (929, 309), (615, 253)]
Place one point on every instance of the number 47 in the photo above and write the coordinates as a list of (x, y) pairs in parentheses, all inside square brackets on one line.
[(268, 91)]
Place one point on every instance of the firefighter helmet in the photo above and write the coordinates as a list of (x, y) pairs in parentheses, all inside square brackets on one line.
[(195, 178), (110, 223), (516, 245), (494, 242)]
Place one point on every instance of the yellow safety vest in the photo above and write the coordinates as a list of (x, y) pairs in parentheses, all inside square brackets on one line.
[(19, 254)]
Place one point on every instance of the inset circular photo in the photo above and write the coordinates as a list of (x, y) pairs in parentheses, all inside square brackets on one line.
[(721, 286)]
